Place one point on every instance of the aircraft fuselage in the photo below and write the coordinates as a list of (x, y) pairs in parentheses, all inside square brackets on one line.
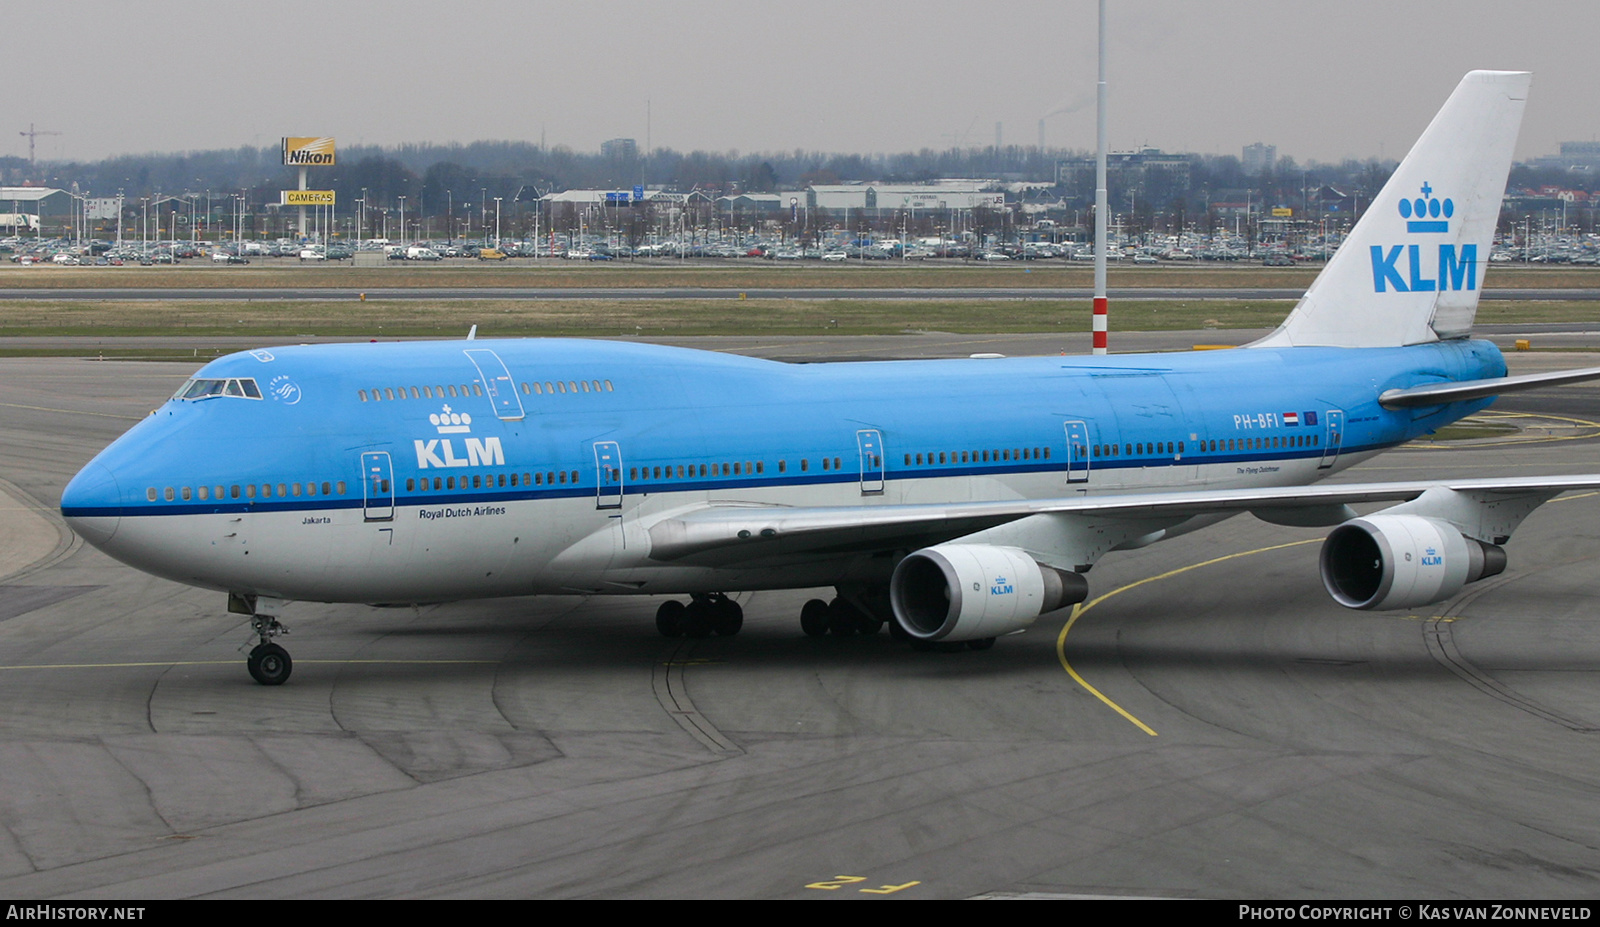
[(410, 472)]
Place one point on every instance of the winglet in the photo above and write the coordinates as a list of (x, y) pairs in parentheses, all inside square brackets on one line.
[(1411, 270)]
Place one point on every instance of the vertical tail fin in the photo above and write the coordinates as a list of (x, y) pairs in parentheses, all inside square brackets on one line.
[(1411, 270)]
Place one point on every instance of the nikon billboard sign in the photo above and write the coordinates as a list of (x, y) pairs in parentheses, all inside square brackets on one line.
[(308, 152), (306, 197)]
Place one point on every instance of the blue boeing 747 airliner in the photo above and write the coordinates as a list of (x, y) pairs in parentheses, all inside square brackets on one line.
[(956, 499)]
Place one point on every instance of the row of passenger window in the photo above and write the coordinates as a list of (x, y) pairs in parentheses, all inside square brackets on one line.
[(1211, 446), (567, 386), (339, 488), (997, 455), (245, 491), (1134, 449), (452, 391), (735, 468), (392, 393), (1138, 449), (492, 481)]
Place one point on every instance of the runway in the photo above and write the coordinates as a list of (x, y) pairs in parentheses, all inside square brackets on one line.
[(801, 349), (1243, 737)]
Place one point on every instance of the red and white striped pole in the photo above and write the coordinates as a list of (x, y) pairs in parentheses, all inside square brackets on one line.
[(1101, 207)]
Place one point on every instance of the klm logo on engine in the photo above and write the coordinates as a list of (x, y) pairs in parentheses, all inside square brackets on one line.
[(1431, 557), (441, 452), (1001, 586), (1412, 268)]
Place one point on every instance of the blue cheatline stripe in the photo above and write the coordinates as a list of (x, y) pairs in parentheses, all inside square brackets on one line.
[(482, 497)]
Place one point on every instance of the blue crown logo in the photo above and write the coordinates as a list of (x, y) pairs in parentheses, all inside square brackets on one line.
[(1428, 212)]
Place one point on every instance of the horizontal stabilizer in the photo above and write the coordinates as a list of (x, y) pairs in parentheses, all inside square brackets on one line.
[(1438, 394)]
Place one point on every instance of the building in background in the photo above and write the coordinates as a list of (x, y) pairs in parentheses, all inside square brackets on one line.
[(1258, 158)]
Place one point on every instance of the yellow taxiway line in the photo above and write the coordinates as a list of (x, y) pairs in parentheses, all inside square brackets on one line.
[(1081, 608)]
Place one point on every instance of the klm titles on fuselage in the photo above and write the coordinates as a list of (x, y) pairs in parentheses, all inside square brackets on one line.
[(441, 452), (1407, 268)]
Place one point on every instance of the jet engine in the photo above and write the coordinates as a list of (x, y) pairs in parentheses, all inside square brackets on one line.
[(1402, 561), (964, 592)]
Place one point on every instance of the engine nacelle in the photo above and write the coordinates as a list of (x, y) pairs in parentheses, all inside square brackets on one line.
[(1402, 561), (963, 592)]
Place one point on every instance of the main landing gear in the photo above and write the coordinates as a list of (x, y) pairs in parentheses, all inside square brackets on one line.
[(840, 617), (853, 613), (706, 613), (269, 663), (865, 613)]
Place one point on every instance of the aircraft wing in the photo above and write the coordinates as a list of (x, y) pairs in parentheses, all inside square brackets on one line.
[(1437, 394), (741, 532)]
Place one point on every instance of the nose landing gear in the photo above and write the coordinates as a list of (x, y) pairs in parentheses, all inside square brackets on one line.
[(269, 663)]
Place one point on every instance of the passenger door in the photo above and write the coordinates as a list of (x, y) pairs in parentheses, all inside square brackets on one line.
[(1334, 438), (377, 486), (608, 475), (1077, 452), (869, 444), (497, 383)]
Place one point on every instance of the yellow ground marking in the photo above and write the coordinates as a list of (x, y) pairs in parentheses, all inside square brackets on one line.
[(1081, 608), (888, 889), (1473, 444), (838, 882)]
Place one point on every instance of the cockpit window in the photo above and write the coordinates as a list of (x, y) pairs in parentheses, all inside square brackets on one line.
[(206, 388)]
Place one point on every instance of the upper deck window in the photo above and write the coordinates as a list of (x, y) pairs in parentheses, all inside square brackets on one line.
[(207, 388)]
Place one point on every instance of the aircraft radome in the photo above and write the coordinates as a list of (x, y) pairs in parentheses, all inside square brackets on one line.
[(956, 499)]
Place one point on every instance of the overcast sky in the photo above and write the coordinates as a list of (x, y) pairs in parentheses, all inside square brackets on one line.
[(1321, 80)]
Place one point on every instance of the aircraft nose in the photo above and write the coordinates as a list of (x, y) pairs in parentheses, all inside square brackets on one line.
[(91, 503)]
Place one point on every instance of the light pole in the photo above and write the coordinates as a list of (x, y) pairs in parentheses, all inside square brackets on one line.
[(402, 217), (497, 222)]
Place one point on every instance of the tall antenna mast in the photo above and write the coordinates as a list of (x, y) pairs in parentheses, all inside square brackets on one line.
[(1101, 314)]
